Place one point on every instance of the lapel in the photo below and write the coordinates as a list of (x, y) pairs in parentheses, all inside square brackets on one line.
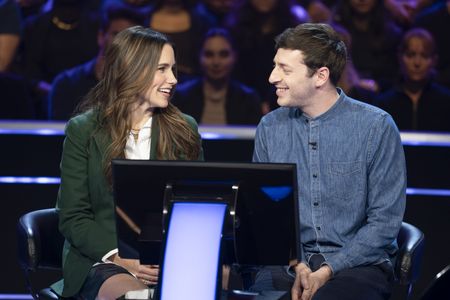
[(103, 140)]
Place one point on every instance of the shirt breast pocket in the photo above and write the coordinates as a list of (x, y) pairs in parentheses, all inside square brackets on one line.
[(346, 179)]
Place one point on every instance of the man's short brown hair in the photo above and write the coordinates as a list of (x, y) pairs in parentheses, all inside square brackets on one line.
[(320, 45)]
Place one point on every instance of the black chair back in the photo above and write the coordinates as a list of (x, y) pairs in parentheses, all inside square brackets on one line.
[(411, 242), (40, 244)]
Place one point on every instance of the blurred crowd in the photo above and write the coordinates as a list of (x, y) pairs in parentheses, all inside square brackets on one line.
[(51, 54)]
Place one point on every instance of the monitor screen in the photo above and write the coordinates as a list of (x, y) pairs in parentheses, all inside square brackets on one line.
[(265, 213)]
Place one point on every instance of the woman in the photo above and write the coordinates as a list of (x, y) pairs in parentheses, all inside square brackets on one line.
[(417, 102), (215, 98), (127, 115)]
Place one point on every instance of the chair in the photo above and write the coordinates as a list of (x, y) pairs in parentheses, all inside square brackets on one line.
[(411, 243), (40, 247)]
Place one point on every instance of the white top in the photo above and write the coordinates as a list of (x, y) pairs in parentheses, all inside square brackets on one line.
[(139, 149)]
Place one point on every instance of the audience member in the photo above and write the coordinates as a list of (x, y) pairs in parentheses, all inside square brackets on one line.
[(70, 86), (10, 30), (15, 98), (363, 89), (134, 3), (127, 115), (31, 7), (404, 11), (253, 26), (417, 102), (59, 39), (185, 27), (436, 20), (216, 10), (56, 40), (374, 39), (215, 98), (319, 11), (350, 166)]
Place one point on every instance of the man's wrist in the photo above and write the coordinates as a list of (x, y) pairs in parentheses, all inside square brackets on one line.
[(293, 267), (326, 269), (300, 266)]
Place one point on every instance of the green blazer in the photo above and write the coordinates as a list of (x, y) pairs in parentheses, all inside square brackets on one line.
[(85, 202)]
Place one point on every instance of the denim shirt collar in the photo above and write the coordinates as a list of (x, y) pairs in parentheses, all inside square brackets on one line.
[(332, 111)]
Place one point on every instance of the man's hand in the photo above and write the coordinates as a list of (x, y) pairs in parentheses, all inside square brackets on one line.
[(315, 281), (301, 282), (307, 283)]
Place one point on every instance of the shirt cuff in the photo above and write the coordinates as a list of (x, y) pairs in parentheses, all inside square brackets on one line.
[(106, 257), (329, 265)]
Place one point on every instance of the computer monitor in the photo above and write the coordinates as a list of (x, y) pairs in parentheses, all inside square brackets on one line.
[(265, 222)]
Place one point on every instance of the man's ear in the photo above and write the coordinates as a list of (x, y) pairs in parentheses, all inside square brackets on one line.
[(322, 76)]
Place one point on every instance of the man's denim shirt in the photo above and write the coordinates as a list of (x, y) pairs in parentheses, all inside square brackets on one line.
[(351, 179)]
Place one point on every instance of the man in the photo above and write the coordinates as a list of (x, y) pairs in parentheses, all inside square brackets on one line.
[(70, 86), (350, 165)]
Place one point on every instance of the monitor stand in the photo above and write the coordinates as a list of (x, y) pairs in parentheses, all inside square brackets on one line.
[(199, 221)]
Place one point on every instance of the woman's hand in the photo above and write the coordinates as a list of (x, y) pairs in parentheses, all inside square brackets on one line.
[(148, 274)]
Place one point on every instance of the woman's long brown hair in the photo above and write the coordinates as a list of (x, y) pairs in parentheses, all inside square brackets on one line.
[(130, 65)]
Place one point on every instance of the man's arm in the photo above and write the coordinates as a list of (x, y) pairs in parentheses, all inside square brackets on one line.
[(260, 152), (386, 196)]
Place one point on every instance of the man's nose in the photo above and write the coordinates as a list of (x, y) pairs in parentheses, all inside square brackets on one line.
[(274, 78)]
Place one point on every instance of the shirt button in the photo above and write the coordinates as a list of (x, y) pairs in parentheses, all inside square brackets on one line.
[(315, 175), (316, 203), (314, 147), (318, 227), (306, 121)]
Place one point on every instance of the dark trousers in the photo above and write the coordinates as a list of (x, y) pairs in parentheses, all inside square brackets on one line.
[(366, 282)]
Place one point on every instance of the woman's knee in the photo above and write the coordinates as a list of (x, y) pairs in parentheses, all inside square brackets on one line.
[(118, 285)]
